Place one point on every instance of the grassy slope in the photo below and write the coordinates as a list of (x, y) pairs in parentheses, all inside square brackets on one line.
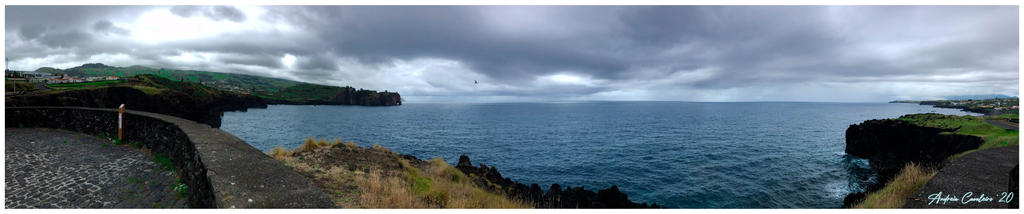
[(894, 194), (913, 177), (84, 84), (391, 183), (149, 84), (994, 136), (241, 80), (302, 92), (264, 87), (12, 86)]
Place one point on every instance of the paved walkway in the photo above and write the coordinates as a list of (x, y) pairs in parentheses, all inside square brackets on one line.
[(1003, 124), (48, 168), (977, 180)]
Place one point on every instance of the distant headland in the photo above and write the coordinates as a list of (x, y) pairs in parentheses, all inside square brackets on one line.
[(195, 95), (993, 105)]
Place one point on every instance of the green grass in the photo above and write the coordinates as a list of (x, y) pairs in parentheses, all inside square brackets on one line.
[(84, 84), (135, 180), (180, 188), (895, 193), (264, 87), (19, 86), (149, 90), (226, 79), (994, 136), (165, 163), (1004, 116)]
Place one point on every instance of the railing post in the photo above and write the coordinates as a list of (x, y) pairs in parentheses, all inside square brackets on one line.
[(120, 122)]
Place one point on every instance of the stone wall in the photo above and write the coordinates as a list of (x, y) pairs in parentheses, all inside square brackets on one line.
[(220, 169)]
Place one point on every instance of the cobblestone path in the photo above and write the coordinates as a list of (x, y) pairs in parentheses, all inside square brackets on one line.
[(49, 168)]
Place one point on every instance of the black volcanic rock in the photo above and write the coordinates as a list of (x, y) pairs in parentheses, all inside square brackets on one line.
[(555, 197), (890, 144), (348, 96), (464, 162)]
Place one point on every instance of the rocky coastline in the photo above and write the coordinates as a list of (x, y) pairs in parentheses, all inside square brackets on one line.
[(972, 109), (555, 196), (890, 144), (348, 96), (345, 171)]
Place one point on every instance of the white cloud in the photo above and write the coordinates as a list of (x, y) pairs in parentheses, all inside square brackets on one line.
[(568, 79), (288, 60)]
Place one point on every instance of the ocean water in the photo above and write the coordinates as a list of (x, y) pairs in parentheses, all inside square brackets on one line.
[(677, 154)]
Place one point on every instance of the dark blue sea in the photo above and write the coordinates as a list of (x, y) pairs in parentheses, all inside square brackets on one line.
[(678, 154)]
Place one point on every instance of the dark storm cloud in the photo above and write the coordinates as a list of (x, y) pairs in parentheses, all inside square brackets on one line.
[(739, 39), (318, 62), (268, 61), (665, 52), (375, 34), (212, 12), (29, 32), (106, 27), (68, 39)]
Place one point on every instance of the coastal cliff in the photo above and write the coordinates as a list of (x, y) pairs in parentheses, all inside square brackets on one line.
[(189, 100), (338, 96), (272, 90), (151, 94), (891, 144)]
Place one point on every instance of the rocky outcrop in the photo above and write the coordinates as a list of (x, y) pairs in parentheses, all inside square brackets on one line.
[(967, 108), (890, 144), (348, 96), (555, 197)]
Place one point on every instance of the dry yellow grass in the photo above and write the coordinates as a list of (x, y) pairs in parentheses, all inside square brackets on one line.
[(380, 191), (280, 153), (435, 185), (463, 193), (896, 192)]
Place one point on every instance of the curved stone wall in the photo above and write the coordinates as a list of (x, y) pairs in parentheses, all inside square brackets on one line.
[(220, 170)]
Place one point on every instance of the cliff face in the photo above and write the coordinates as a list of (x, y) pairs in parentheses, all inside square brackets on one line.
[(350, 96), (169, 102), (556, 197), (335, 96), (890, 144)]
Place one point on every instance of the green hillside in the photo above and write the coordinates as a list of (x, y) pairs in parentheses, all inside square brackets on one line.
[(226, 81), (273, 89)]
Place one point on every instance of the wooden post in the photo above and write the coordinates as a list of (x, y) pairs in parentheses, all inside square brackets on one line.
[(120, 122)]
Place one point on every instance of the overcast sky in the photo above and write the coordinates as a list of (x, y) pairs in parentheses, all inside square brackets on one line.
[(546, 53)]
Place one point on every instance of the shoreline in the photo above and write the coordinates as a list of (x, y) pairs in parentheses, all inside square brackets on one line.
[(434, 183), (907, 151)]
